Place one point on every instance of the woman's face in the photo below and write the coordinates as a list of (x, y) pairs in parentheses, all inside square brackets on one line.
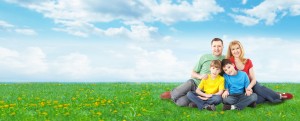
[(235, 50)]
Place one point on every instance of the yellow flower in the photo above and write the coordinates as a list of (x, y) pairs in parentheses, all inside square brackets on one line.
[(13, 113)]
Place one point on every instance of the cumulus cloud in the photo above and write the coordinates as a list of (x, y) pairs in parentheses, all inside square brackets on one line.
[(73, 66), (31, 61), (269, 12), (80, 17)]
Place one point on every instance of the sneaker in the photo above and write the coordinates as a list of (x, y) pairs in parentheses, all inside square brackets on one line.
[(226, 107), (192, 105), (286, 95), (211, 108), (252, 105), (166, 95)]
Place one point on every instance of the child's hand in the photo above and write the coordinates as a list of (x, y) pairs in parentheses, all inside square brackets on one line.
[(225, 94), (208, 95), (203, 98), (248, 93)]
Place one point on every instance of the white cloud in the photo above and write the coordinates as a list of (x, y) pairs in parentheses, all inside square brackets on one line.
[(73, 66), (4, 24), (248, 21), (26, 31), (12, 28), (269, 11), (31, 61), (80, 17), (198, 10)]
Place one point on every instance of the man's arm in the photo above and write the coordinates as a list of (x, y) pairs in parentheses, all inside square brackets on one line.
[(198, 76)]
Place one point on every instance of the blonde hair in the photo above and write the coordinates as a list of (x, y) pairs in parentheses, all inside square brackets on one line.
[(215, 63), (229, 54)]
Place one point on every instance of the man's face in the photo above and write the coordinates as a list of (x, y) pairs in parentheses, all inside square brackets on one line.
[(229, 69), (217, 48)]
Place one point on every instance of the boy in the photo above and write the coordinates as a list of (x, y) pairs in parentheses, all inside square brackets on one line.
[(208, 93), (236, 96)]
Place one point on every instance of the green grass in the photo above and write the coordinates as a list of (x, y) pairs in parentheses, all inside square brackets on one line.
[(124, 101)]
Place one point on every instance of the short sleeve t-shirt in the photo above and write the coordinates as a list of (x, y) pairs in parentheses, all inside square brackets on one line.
[(247, 67), (236, 84), (212, 86), (203, 65)]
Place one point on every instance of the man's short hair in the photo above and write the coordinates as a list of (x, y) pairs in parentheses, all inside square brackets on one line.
[(216, 39)]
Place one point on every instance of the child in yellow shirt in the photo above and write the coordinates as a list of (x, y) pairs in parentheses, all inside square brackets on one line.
[(208, 94)]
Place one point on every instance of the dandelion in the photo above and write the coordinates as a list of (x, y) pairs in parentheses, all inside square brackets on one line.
[(44, 113), (42, 104), (55, 102), (13, 113), (222, 112), (1, 102), (99, 113), (67, 114), (19, 98), (12, 105)]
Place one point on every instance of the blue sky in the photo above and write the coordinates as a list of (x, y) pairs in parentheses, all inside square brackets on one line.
[(142, 41)]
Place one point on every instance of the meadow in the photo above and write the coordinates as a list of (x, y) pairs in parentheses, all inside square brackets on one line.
[(125, 102)]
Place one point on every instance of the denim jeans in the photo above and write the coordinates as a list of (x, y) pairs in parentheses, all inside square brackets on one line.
[(193, 96), (178, 94), (240, 101), (265, 94)]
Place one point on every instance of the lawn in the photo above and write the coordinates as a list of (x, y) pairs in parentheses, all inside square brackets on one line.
[(124, 102)]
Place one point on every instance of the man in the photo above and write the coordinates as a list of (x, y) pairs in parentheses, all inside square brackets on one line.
[(200, 71)]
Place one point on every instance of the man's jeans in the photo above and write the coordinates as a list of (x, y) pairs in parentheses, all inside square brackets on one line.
[(178, 94)]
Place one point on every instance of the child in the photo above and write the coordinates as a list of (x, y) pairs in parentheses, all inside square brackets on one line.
[(236, 96), (208, 93)]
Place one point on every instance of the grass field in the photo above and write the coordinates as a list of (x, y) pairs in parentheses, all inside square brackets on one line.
[(124, 102)]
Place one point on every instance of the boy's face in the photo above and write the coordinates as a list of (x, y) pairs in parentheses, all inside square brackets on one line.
[(214, 71), (229, 69)]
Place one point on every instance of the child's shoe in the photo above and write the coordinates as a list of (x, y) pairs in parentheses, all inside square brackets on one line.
[(252, 105), (210, 107), (226, 107)]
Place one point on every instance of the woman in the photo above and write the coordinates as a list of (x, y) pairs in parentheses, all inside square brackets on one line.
[(236, 53)]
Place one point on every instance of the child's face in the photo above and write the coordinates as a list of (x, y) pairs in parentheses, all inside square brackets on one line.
[(214, 71), (229, 69)]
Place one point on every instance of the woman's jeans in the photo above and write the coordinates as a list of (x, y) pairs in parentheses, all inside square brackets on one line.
[(265, 94), (193, 96)]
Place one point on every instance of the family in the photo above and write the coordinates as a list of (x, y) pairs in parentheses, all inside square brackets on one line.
[(230, 80)]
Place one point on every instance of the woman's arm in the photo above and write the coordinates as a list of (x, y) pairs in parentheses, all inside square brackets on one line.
[(252, 79)]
